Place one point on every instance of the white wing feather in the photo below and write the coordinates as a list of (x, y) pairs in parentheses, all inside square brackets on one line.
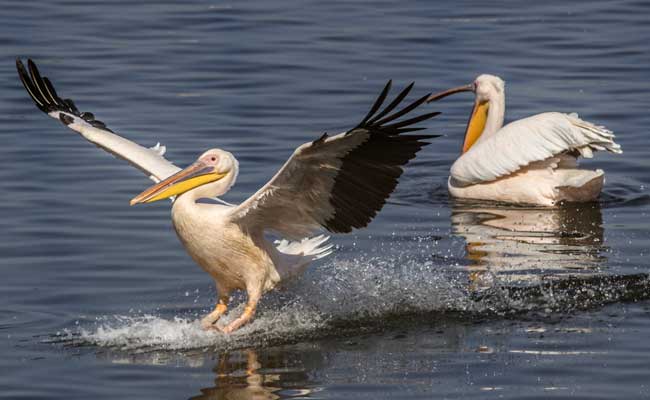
[(148, 160), (41, 90), (528, 140)]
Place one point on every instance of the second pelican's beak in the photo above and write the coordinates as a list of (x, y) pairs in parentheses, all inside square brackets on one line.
[(193, 176), (442, 95), (476, 124), (477, 119)]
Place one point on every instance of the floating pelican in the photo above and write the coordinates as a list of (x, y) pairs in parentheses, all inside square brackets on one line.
[(335, 182), (532, 160)]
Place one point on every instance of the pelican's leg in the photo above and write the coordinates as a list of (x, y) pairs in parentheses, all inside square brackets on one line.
[(208, 322), (254, 294)]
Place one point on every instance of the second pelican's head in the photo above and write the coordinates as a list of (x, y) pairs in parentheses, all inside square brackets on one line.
[(487, 89), (212, 174)]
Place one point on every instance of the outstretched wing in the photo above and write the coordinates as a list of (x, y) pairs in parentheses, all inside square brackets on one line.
[(529, 140), (340, 182), (148, 160)]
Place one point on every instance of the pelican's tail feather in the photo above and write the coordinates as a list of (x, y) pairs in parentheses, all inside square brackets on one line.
[(600, 138), (310, 247), (296, 256)]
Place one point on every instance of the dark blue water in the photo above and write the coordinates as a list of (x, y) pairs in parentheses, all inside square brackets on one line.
[(435, 298)]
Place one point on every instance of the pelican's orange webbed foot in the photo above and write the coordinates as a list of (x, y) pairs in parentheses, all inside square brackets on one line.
[(209, 321), (244, 318)]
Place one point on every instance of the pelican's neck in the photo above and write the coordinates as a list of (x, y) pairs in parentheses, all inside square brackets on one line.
[(496, 113)]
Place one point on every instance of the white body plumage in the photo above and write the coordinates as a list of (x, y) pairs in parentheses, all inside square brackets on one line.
[(336, 183), (532, 160)]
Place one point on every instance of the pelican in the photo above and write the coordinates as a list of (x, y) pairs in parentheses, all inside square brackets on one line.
[(529, 161), (336, 183)]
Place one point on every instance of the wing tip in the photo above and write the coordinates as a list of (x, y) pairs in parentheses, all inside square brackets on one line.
[(377, 104), (375, 120), (42, 92), (29, 86)]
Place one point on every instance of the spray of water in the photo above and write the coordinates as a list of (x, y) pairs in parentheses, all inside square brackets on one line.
[(346, 297)]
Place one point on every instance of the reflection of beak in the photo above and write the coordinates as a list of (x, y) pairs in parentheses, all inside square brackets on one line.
[(193, 176), (477, 119)]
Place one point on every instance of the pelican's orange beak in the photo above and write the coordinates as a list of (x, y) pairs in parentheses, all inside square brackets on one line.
[(191, 177), (476, 124)]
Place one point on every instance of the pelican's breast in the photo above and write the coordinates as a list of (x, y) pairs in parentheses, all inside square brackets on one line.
[(229, 255)]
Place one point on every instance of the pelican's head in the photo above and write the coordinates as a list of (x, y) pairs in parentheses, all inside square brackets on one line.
[(204, 177), (485, 88)]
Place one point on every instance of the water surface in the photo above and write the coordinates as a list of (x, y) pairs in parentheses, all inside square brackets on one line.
[(435, 298)]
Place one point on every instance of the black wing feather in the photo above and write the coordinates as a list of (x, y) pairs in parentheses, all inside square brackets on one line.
[(412, 121), (378, 102), (29, 86), (38, 82), (369, 173), (404, 111), (52, 92), (394, 104), (41, 90)]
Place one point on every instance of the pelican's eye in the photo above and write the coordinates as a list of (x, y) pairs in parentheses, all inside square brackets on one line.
[(213, 158)]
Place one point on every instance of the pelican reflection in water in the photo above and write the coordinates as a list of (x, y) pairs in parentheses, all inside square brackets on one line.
[(243, 374), (335, 183), (523, 245)]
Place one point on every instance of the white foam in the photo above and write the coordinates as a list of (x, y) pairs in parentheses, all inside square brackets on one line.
[(337, 297), (365, 288), (151, 332)]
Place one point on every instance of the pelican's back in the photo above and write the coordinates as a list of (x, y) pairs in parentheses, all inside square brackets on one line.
[(534, 160)]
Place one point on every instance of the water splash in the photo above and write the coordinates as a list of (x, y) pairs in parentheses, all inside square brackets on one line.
[(365, 294), (144, 333), (340, 295)]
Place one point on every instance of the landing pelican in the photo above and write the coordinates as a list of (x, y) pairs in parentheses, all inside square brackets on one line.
[(336, 183), (532, 160)]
